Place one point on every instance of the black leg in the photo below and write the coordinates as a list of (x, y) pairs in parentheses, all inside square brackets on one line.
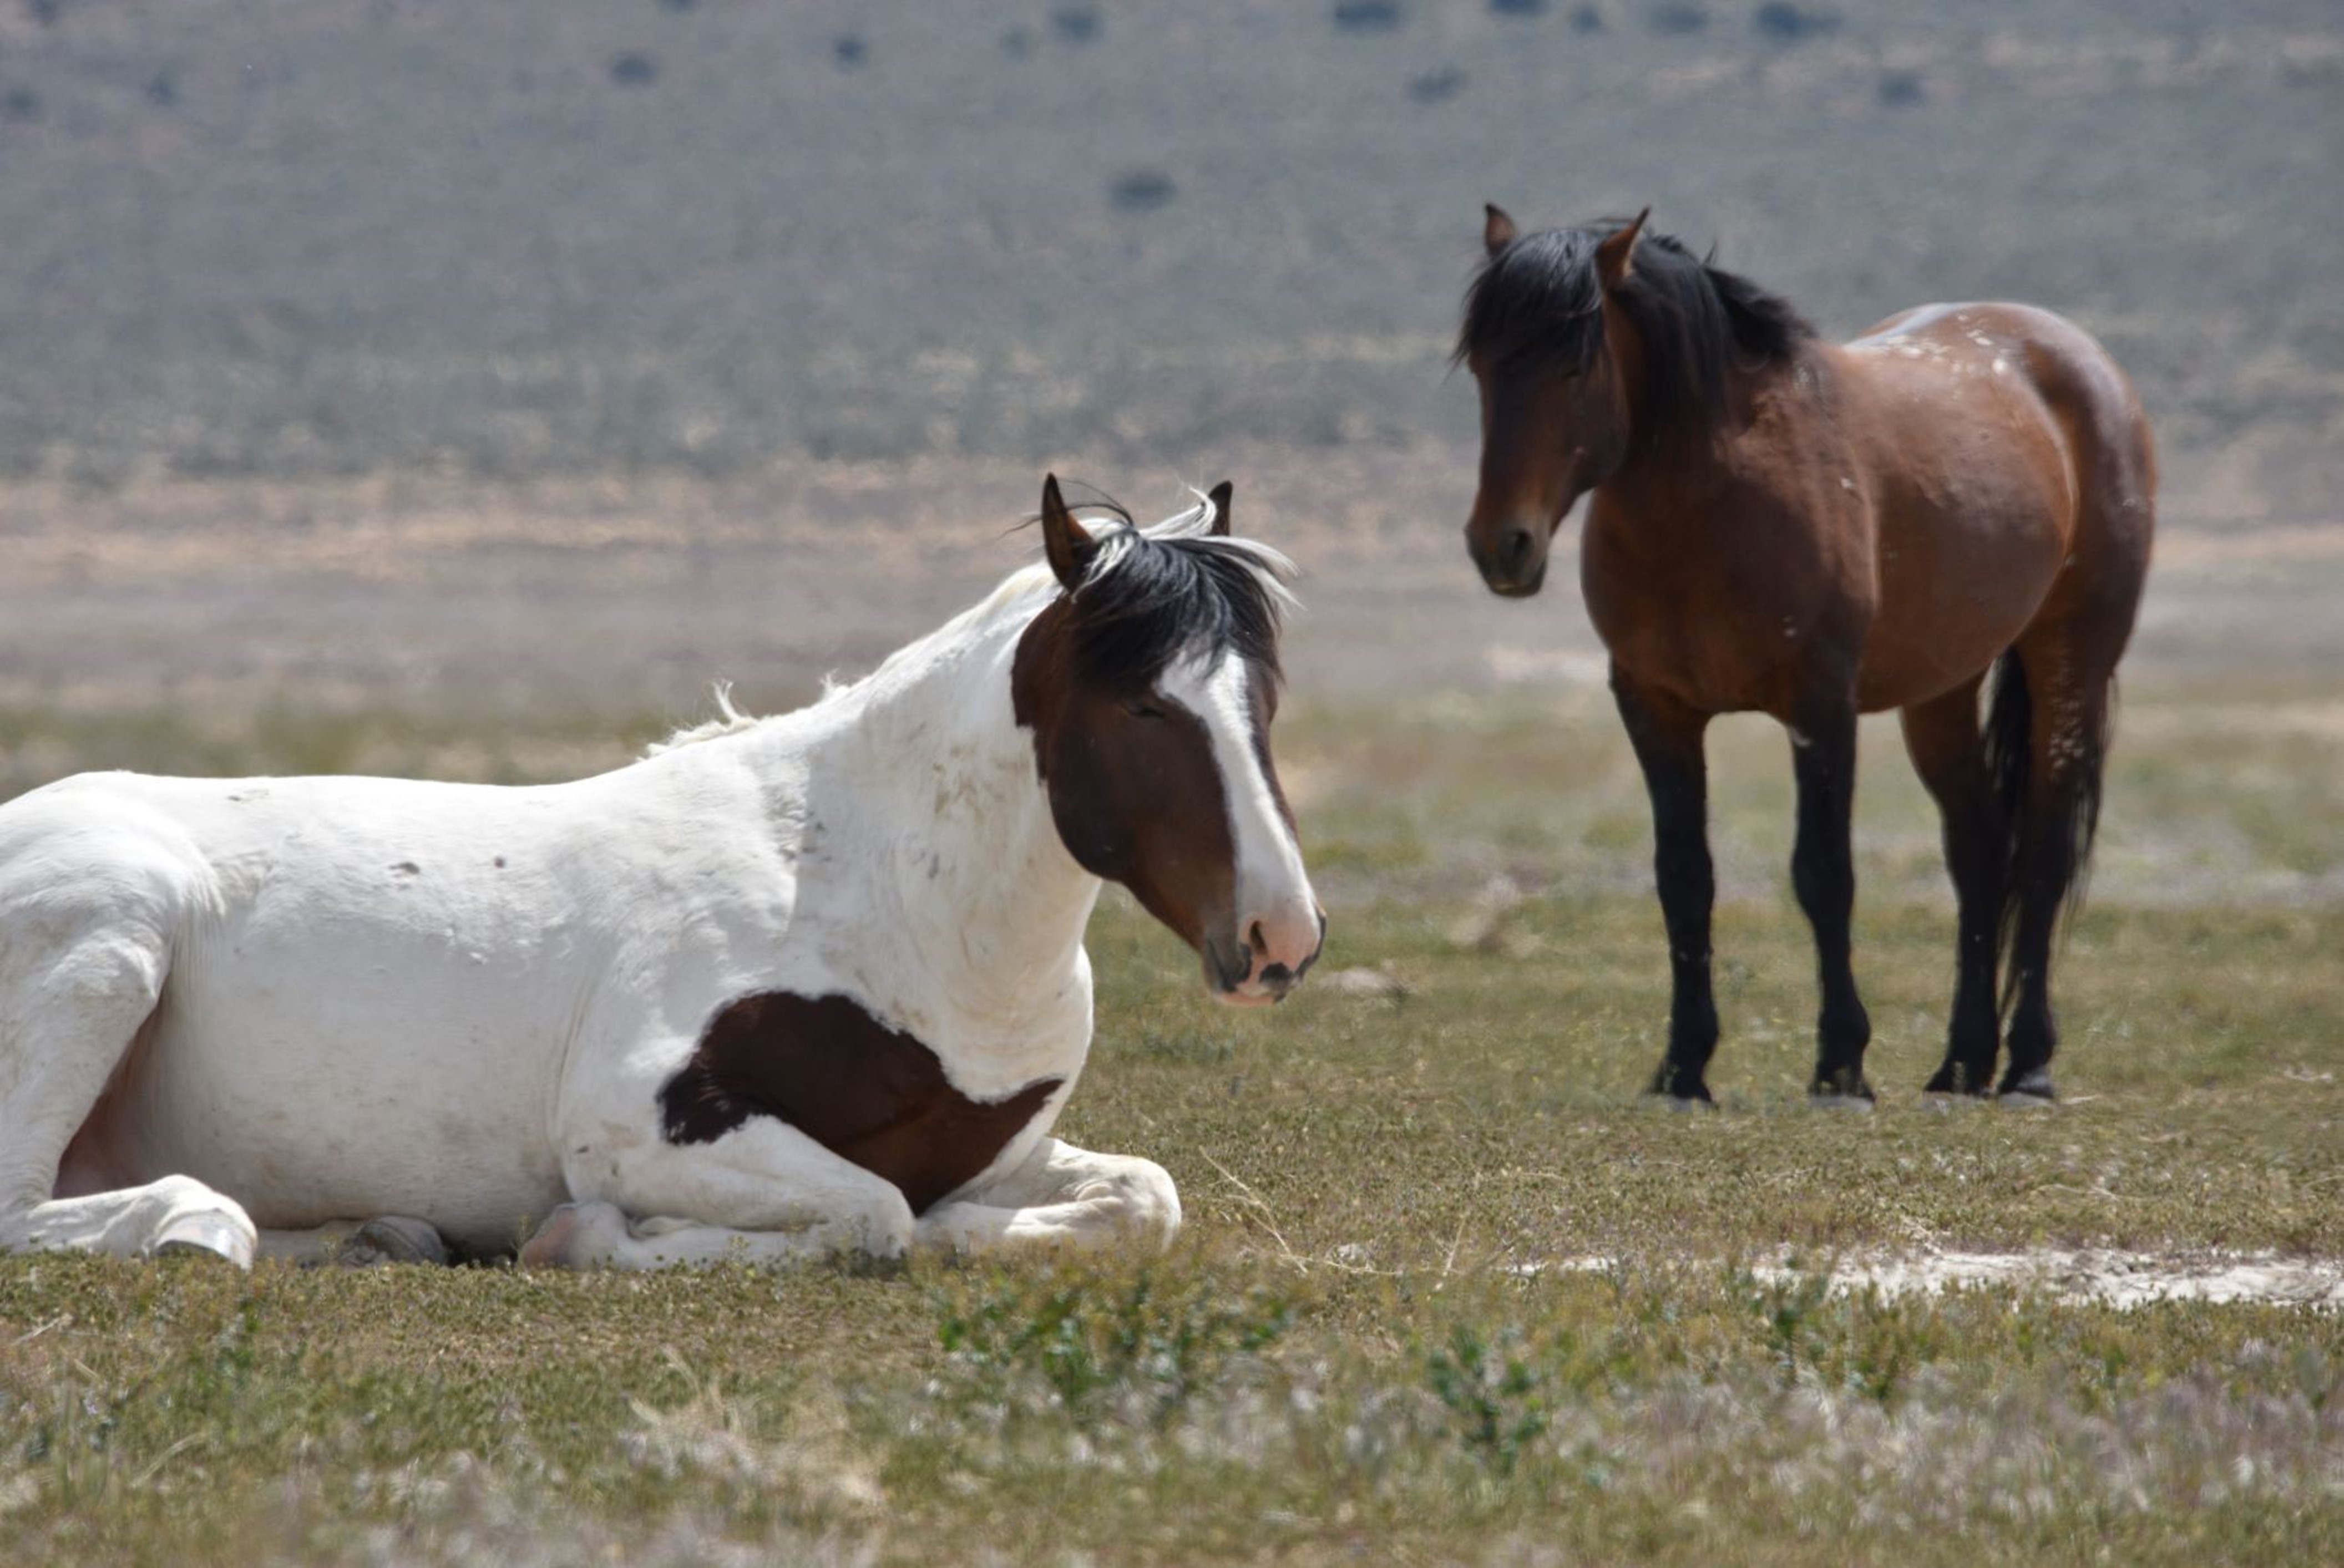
[(1823, 871), (2047, 870), (1949, 753), (2068, 733), (1667, 736)]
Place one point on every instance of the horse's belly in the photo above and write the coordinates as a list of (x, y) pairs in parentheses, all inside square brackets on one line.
[(1955, 592), (308, 1108)]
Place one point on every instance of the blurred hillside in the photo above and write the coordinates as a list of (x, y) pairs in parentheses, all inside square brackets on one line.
[(300, 238)]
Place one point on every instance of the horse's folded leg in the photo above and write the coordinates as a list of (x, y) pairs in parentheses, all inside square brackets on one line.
[(204, 1234), (393, 1239), (591, 1235), (568, 1239)]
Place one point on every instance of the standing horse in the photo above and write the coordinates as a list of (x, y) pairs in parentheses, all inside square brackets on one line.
[(1814, 531), (786, 985)]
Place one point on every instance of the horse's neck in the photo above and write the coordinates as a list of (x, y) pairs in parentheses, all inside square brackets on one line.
[(939, 862), (1695, 484)]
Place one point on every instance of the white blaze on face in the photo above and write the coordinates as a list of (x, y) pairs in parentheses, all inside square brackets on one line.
[(1273, 889)]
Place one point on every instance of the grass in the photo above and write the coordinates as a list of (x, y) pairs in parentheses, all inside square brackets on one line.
[(1345, 1355), (1450, 1291)]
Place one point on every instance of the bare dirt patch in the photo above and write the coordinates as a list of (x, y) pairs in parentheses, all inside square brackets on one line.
[(2087, 1275)]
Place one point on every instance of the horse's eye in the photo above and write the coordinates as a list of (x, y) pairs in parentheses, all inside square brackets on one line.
[(1141, 709)]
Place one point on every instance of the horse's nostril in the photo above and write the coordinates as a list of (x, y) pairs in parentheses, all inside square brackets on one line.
[(1518, 548), (1255, 940)]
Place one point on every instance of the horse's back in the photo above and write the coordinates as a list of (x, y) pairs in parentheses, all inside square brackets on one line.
[(2102, 431), (2009, 476), (368, 991), (2109, 465)]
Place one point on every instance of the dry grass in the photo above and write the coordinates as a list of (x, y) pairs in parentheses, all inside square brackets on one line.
[(1364, 1346)]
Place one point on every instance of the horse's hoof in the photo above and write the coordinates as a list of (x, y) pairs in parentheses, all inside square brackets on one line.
[(1955, 1080), (393, 1239), (2029, 1090), (1680, 1091), (569, 1239), (1846, 1089), (204, 1236), (551, 1246), (1680, 1094)]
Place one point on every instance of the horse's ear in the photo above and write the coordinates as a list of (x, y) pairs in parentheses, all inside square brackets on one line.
[(1615, 258), (1219, 495), (1497, 228), (1066, 542)]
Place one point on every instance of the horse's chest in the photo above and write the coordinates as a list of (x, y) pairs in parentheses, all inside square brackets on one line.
[(870, 1094), (1674, 626)]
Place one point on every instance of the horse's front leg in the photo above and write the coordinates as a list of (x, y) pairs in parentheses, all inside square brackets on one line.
[(1668, 736), (762, 1193), (1064, 1195), (1823, 871)]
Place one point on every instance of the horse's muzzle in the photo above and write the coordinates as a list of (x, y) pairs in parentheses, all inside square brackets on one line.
[(1513, 563), (1262, 970)]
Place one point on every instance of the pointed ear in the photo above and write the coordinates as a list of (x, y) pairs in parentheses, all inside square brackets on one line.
[(1219, 496), (1066, 542), (1497, 228), (1615, 258)]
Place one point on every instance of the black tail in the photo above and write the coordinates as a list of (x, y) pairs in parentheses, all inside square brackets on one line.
[(2010, 761)]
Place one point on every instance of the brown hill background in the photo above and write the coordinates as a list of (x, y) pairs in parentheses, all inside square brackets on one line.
[(554, 237)]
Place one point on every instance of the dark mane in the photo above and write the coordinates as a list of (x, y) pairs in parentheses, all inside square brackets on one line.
[(1152, 596), (1539, 299)]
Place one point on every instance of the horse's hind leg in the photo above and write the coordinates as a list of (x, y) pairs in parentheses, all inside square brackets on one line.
[(67, 1016), (2052, 711), (1949, 753), (389, 1238)]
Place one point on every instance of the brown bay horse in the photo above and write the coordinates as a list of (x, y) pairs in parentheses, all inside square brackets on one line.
[(1783, 525)]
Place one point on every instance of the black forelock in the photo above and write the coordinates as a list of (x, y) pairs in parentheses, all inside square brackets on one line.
[(1150, 600), (1541, 298)]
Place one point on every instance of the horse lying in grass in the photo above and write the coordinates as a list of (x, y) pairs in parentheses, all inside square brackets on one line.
[(786, 985), (1810, 531)]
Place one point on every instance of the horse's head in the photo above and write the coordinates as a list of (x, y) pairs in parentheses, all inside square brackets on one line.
[(1543, 337), (1149, 684)]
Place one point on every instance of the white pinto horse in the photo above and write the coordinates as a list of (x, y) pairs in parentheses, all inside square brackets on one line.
[(786, 985)]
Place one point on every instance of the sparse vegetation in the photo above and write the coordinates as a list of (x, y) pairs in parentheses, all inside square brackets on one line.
[(457, 391), (1386, 1323), (566, 239)]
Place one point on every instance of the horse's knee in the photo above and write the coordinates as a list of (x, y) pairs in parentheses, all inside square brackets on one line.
[(1139, 1196), (180, 1215), (887, 1227)]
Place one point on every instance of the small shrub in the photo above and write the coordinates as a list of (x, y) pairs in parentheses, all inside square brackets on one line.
[(1437, 87), (1787, 1304), (1784, 22), (1101, 1342), (1367, 15), (1142, 190), (1502, 1401), (1901, 89), (1076, 24)]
